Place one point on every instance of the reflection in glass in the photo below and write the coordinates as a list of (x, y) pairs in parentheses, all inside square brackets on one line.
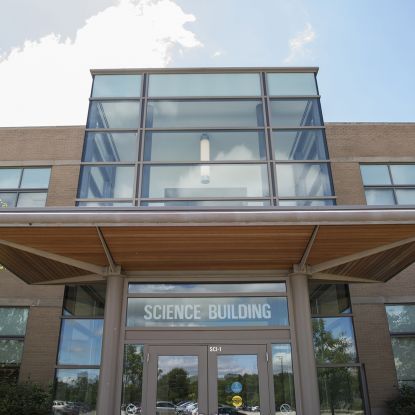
[(189, 181), (295, 113), (10, 178), (207, 312), (13, 321), (106, 181), (132, 379), (35, 178), (305, 202), (107, 203), (329, 299), (187, 146), (116, 86), (291, 84), (299, 145), (269, 287), (379, 197), (206, 203), (405, 196), (8, 200), (403, 173), (373, 174), (80, 342), (84, 300), (78, 389), (303, 180), (9, 375), (340, 391), (177, 114), (110, 146), (334, 340), (204, 85), (238, 377), (37, 199), (177, 382), (401, 318), (283, 379), (11, 352), (404, 354), (113, 114)]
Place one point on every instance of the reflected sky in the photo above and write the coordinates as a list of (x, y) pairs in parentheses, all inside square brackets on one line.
[(237, 364), (168, 363)]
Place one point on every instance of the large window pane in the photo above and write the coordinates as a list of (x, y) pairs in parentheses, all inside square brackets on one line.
[(116, 86), (204, 85), (78, 389), (334, 340), (403, 173), (32, 199), (340, 391), (80, 342), (282, 370), (401, 318), (379, 197), (292, 84), (225, 181), (404, 354), (107, 182), (10, 178), (84, 300), (303, 180), (8, 200), (10, 352), (35, 178), (309, 202), (177, 114), (13, 321), (405, 196), (110, 146), (329, 299), (204, 146), (114, 114), (295, 113), (375, 174), (299, 145)]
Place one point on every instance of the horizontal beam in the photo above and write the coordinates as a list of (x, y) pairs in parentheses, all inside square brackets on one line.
[(326, 277), (84, 279)]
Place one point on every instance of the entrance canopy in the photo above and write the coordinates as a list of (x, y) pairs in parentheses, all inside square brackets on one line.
[(73, 245)]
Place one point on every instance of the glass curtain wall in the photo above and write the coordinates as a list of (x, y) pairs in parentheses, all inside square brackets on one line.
[(205, 139)]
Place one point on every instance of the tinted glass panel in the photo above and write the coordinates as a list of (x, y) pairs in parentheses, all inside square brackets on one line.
[(84, 300), (8, 200), (106, 182), (114, 114), (204, 146), (334, 340), (207, 203), (204, 85), (109, 204), (116, 86), (80, 342), (404, 354), (403, 173), (295, 113), (10, 178), (401, 318), (13, 321), (282, 370), (32, 199), (207, 312), (205, 288), (9, 374), (110, 146), (373, 174), (303, 179), (10, 352), (311, 202), (35, 178), (291, 84), (379, 197), (177, 114), (78, 389), (299, 145), (225, 181), (405, 196), (340, 391), (329, 299)]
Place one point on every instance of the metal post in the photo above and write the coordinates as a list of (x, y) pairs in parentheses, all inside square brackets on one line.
[(310, 401), (110, 344)]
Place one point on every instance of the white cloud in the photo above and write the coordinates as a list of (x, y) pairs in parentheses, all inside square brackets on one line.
[(298, 44), (47, 82), (218, 54)]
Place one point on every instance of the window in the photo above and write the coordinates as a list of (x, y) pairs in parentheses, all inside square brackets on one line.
[(389, 184), (24, 187), (401, 319), (13, 322)]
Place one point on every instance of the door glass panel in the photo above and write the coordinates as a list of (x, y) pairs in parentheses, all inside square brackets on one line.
[(177, 385), (238, 385)]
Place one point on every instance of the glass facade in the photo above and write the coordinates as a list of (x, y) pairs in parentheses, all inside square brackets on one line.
[(205, 140)]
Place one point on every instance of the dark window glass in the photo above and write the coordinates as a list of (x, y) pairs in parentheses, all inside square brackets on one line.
[(11, 352), (329, 299), (295, 113), (37, 199), (113, 114), (8, 200), (375, 174), (116, 86), (204, 146), (106, 181), (404, 354), (84, 300), (80, 342), (10, 178), (292, 84), (340, 391), (35, 178), (110, 146), (9, 375), (401, 318), (334, 340), (207, 203), (299, 145), (379, 197), (309, 202), (177, 114), (13, 321), (403, 174)]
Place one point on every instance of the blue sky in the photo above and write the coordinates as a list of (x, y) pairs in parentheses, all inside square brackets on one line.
[(364, 48)]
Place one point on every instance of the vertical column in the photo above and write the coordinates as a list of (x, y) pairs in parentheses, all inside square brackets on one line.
[(110, 343), (304, 334)]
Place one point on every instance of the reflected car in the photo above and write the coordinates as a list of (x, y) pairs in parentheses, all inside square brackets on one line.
[(165, 408), (228, 410)]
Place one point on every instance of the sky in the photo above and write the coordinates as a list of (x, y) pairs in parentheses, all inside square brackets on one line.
[(365, 50)]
